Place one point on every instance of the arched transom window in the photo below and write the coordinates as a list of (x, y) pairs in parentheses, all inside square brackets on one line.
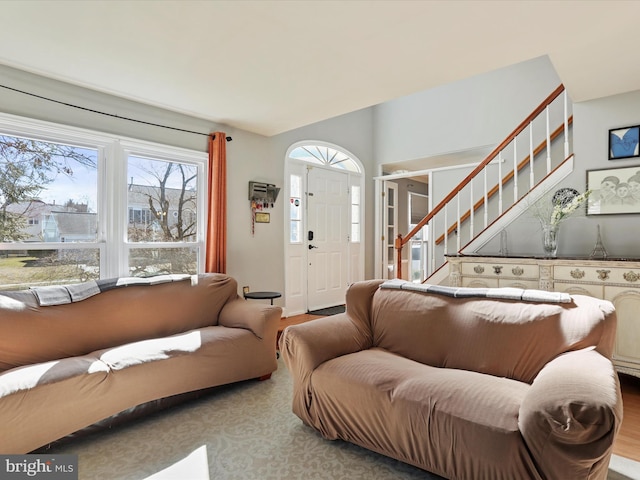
[(324, 155)]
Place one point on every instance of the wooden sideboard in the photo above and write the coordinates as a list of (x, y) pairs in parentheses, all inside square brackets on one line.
[(616, 280)]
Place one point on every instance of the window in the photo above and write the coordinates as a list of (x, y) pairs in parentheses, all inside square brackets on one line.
[(325, 155), (77, 205), (162, 199), (295, 208), (355, 213)]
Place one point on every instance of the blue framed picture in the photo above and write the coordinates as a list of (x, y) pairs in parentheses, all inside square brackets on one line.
[(624, 142)]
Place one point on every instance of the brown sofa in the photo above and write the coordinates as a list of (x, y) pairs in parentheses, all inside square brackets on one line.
[(66, 366), (464, 383)]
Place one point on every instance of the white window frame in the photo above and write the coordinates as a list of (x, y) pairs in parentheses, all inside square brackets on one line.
[(112, 185)]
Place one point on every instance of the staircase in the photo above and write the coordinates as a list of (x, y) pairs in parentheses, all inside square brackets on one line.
[(531, 160)]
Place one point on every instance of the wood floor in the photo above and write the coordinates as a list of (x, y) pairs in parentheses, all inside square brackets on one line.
[(628, 441)]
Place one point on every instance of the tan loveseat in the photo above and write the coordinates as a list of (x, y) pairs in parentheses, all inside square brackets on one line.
[(468, 388), (66, 366)]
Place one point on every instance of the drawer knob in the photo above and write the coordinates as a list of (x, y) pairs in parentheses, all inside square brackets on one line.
[(478, 269), (631, 276), (603, 274), (577, 274), (497, 269), (517, 271)]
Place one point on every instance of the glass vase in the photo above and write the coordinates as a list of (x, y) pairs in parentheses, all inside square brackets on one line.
[(550, 240)]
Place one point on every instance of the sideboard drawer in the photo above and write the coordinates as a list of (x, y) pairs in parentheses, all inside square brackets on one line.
[(578, 273), (480, 282), (500, 270), (602, 275), (625, 276), (588, 289)]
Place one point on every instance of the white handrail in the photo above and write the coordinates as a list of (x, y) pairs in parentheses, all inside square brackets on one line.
[(487, 195)]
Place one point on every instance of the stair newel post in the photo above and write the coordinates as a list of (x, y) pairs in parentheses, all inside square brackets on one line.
[(531, 176), (398, 245), (549, 142), (566, 125)]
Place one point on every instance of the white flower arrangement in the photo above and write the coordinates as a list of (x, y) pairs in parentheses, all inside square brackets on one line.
[(554, 209)]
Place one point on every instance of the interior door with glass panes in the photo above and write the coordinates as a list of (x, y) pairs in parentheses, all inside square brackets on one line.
[(390, 228)]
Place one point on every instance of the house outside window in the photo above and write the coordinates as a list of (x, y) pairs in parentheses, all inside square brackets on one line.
[(68, 212)]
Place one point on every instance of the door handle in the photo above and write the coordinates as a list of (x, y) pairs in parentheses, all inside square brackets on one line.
[(312, 246)]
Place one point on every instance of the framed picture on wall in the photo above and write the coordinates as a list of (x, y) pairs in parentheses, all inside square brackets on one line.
[(624, 143), (262, 217), (614, 190)]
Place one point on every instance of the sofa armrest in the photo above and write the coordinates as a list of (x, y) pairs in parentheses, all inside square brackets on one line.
[(262, 320), (307, 345), (571, 415)]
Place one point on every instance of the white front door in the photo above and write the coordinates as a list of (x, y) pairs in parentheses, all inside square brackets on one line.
[(327, 237)]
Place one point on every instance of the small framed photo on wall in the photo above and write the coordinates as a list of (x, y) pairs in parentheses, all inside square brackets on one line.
[(262, 217), (614, 190), (624, 142)]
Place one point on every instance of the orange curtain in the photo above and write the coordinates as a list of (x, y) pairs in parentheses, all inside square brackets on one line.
[(216, 253)]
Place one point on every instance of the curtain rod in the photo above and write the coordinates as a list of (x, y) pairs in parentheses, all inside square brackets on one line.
[(113, 115)]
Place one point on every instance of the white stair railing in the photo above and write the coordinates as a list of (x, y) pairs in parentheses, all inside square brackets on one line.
[(463, 226)]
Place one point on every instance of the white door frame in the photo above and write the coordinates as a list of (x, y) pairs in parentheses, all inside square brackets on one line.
[(380, 267), (295, 268)]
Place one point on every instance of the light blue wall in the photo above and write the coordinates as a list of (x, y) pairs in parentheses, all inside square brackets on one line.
[(593, 120), (353, 132), (578, 234)]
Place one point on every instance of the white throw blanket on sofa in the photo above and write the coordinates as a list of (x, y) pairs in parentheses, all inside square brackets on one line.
[(61, 294), (505, 293)]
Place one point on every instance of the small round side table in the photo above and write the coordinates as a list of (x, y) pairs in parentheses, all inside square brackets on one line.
[(262, 295)]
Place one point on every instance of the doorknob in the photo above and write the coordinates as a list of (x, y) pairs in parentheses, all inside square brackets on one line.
[(312, 246)]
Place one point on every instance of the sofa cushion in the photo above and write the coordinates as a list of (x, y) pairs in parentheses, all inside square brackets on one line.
[(46, 401), (452, 422), (505, 338), (108, 319)]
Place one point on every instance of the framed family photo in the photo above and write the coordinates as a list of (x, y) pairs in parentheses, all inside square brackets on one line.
[(624, 143), (614, 190)]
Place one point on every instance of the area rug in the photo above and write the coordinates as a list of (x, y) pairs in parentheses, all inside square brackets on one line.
[(325, 312), (241, 432)]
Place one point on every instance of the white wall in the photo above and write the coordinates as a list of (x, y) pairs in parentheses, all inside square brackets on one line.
[(463, 115)]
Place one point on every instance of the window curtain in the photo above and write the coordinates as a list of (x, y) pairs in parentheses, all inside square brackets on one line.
[(216, 245)]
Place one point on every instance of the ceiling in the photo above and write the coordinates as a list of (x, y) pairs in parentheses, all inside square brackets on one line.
[(271, 66)]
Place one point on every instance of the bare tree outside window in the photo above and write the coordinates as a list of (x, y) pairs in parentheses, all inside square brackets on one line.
[(162, 198)]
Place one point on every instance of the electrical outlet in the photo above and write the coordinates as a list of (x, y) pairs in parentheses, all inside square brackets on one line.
[(245, 289)]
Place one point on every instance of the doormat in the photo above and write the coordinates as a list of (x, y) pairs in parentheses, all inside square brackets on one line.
[(328, 311)]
